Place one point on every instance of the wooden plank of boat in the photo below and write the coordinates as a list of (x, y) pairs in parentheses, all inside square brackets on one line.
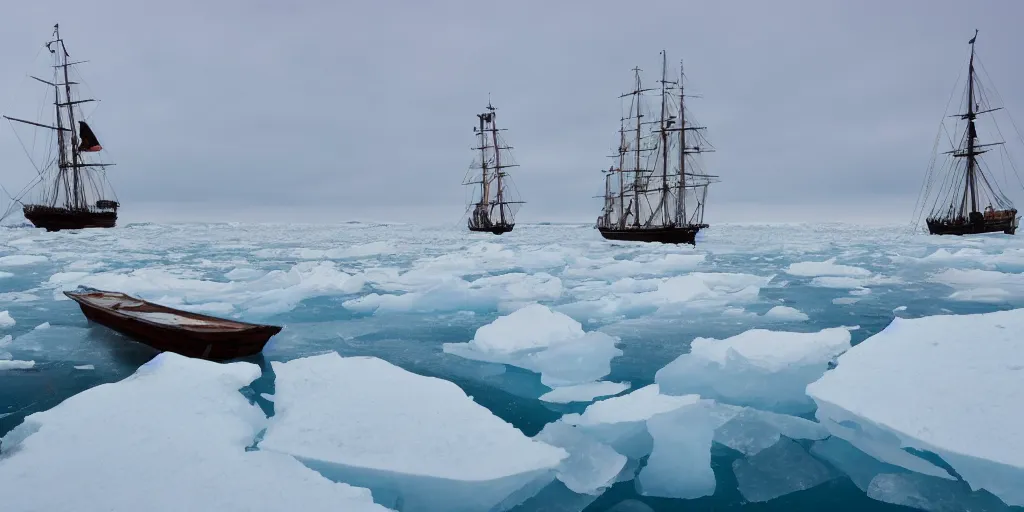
[(173, 330)]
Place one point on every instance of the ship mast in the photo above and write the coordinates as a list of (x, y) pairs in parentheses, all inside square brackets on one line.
[(972, 134), (499, 198), (485, 184), (664, 144), (636, 150), (681, 198)]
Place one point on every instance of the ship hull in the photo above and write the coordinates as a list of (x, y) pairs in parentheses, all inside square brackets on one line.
[(666, 235), (494, 230), (940, 227), (57, 219)]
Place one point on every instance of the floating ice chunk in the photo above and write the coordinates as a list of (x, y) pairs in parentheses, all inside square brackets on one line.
[(44, 325), (136, 436), (943, 384), (760, 368), (543, 341), (680, 463), (859, 466), (591, 466), (17, 260), (779, 470), (620, 421), (749, 431), (930, 493), (4, 275), (786, 313), (85, 367), (411, 439), (981, 285), (825, 268), (16, 365), (842, 301), (584, 392), (244, 274), (6, 320), (899, 308)]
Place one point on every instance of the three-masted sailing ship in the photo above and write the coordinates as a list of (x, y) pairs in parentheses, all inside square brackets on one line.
[(656, 192), (73, 194), (494, 208), (967, 187)]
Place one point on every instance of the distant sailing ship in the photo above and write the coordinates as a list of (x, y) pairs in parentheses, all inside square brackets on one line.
[(656, 193), (492, 213), (967, 187), (72, 195)]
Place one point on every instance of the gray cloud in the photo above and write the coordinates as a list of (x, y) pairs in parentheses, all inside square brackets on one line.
[(331, 111)]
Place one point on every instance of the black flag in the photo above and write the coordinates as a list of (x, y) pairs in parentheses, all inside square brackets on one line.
[(973, 38)]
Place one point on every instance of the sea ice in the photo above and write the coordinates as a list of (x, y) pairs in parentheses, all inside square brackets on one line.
[(417, 442), (171, 437), (621, 422), (17, 260), (932, 494), (680, 463), (584, 392), (454, 293), (16, 365), (591, 466), (758, 368), (543, 341), (786, 313), (779, 470), (942, 384), (6, 320), (828, 267)]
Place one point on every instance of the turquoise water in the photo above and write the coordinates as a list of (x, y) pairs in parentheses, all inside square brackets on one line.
[(399, 292)]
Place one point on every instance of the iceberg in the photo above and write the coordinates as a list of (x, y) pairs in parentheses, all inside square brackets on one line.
[(419, 443), (170, 437), (943, 384)]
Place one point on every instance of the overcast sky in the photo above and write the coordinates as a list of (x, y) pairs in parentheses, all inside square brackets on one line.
[(321, 111)]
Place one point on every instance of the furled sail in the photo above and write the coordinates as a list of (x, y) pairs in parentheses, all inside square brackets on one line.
[(89, 141)]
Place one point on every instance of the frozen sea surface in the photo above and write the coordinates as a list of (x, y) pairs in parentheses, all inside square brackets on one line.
[(613, 315)]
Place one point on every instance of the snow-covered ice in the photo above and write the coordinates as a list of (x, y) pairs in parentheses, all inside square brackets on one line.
[(170, 437), (948, 385), (415, 441), (760, 368)]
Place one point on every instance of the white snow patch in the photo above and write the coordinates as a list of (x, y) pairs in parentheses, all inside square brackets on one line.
[(85, 367), (44, 325), (173, 413), (945, 384), (418, 440)]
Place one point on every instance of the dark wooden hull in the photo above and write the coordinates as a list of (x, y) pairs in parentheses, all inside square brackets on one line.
[(56, 219), (666, 235), (497, 229), (204, 343), (941, 227)]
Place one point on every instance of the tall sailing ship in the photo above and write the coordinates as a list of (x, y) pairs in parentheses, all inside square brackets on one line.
[(656, 192), (74, 193), (495, 203), (966, 187)]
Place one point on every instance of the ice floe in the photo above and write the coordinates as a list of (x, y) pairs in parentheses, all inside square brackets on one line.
[(6, 320), (17, 260), (584, 392), (171, 437), (828, 267), (759, 368), (948, 385), (419, 443), (543, 341)]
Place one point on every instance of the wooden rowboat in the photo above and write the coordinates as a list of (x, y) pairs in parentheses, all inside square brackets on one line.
[(173, 330)]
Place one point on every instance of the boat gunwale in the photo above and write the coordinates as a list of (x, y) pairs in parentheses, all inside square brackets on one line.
[(216, 325)]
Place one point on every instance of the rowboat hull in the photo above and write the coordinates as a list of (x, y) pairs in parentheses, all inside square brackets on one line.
[(195, 335)]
